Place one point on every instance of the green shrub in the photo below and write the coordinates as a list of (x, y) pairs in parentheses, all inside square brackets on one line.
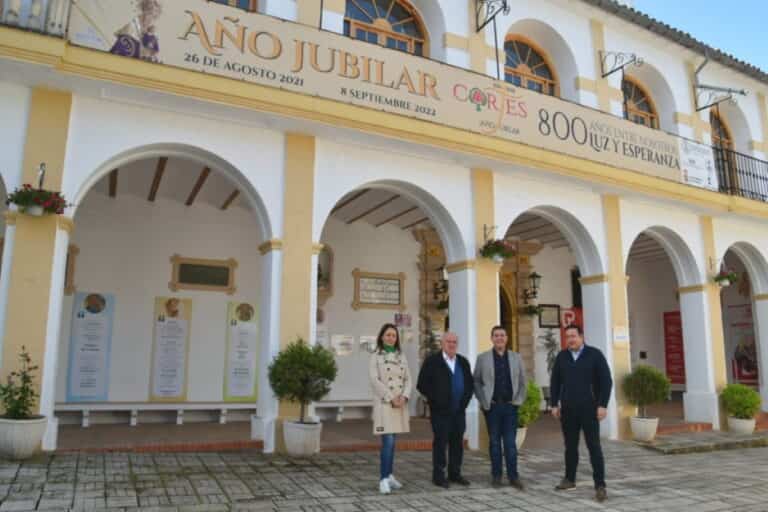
[(741, 401), (530, 410), (645, 386), (302, 374), (18, 395)]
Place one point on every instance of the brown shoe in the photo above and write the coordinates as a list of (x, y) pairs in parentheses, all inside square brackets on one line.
[(496, 481), (601, 494), (565, 485), (517, 484)]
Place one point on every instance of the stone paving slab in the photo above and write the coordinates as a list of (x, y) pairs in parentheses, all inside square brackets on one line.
[(638, 480), (700, 442)]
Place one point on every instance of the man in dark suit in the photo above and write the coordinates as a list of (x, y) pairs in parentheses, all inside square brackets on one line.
[(580, 390), (446, 382)]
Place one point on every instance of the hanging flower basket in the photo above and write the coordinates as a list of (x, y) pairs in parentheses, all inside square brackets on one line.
[(497, 250), (37, 201), (726, 278)]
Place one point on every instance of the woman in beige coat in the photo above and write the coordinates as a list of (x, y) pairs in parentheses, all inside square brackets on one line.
[(391, 385)]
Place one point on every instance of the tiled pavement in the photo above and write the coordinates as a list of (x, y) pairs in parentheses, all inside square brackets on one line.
[(638, 480)]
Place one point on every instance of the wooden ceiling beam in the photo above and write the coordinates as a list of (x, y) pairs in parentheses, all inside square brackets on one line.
[(230, 199), (351, 199), (198, 185), (425, 219), (113, 183), (159, 171), (398, 216), (373, 209)]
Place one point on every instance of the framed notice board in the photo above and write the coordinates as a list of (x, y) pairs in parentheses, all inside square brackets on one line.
[(378, 291)]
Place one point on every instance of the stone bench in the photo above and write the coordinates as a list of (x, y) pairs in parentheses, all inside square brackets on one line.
[(85, 408)]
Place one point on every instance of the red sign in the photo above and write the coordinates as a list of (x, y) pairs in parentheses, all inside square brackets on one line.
[(673, 347), (570, 316)]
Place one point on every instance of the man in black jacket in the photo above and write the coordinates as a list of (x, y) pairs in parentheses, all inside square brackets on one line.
[(580, 390), (446, 382)]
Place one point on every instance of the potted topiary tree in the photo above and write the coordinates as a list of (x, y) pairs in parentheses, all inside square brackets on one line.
[(645, 386), (21, 431), (302, 374), (528, 412), (742, 404)]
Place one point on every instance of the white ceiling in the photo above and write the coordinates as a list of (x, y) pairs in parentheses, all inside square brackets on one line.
[(531, 227)]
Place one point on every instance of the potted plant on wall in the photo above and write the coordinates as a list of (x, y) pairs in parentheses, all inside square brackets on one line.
[(645, 386), (530, 310), (742, 404), (528, 412), (21, 431), (36, 201), (302, 374), (726, 278), (497, 250)]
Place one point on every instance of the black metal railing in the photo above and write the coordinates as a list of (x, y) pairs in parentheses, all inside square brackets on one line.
[(741, 175), (43, 16)]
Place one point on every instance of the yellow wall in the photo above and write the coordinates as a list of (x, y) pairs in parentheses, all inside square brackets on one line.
[(32, 267), (617, 282)]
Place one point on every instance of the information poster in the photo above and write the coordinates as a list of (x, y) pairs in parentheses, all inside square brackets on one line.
[(172, 320), (342, 344), (89, 347), (673, 347), (242, 353)]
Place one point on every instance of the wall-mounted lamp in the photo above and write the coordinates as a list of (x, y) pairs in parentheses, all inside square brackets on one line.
[(440, 287), (532, 293)]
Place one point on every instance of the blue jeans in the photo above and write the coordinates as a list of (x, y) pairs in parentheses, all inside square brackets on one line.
[(501, 420), (387, 455)]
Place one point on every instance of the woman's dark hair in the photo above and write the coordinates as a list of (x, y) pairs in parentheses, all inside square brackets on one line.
[(380, 337)]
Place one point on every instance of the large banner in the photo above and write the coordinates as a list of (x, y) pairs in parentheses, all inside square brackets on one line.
[(740, 336), (240, 374), (674, 354), (172, 320), (89, 347), (212, 38)]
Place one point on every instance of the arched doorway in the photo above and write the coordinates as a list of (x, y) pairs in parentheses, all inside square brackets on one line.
[(164, 305), (555, 245), (385, 257), (666, 305), (744, 324)]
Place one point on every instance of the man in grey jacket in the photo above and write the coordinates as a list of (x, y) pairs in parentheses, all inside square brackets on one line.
[(500, 387)]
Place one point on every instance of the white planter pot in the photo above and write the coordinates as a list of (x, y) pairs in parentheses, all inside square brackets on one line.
[(644, 429), (21, 439), (35, 211), (497, 258), (520, 438), (741, 427), (724, 283), (302, 439)]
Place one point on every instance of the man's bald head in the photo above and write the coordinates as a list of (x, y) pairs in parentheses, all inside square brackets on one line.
[(450, 344)]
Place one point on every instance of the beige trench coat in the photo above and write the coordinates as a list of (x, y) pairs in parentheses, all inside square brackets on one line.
[(390, 377)]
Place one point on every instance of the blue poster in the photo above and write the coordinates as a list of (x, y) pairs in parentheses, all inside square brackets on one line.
[(89, 347)]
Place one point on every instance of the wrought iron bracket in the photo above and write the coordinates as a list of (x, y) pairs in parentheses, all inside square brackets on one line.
[(611, 62), (487, 10), (708, 96), (488, 231)]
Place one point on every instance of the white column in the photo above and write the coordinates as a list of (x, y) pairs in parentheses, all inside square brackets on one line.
[(52, 333), (263, 423), (700, 401), (760, 317), (313, 298), (598, 332), (463, 321), (5, 279)]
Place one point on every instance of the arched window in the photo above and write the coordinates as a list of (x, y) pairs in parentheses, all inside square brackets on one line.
[(721, 135), (638, 106), (526, 66), (248, 5), (391, 23)]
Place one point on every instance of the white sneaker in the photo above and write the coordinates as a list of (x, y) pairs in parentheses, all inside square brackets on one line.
[(384, 486), (393, 483)]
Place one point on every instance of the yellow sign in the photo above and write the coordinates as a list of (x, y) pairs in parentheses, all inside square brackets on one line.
[(216, 39)]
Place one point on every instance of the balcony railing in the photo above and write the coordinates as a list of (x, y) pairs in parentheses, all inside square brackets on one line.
[(43, 16), (741, 175)]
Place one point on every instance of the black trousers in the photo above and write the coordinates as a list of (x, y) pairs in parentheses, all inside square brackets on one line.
[(573, 421), (448, 430)]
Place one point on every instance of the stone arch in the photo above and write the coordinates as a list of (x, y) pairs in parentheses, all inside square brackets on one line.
[(736, 122), (441, 218), (434, 23), (557, 50), (755, 263), (250, 195), (661, 94), (680, 255)]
